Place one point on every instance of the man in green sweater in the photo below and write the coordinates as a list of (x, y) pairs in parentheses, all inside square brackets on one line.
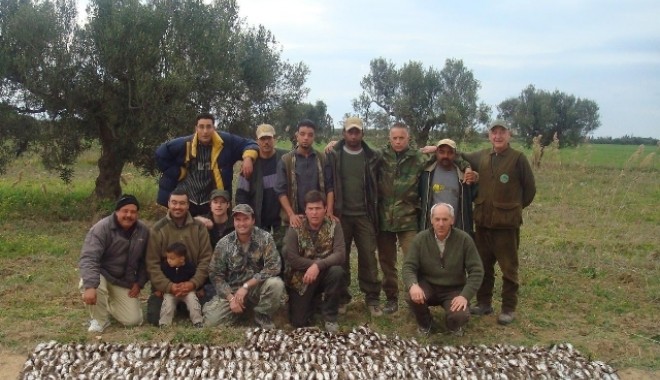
[(443, 268)]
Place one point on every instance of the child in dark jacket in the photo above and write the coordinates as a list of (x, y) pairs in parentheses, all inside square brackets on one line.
[(178, 270)]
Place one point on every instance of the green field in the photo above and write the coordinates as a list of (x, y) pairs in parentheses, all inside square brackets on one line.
[(590, 261)]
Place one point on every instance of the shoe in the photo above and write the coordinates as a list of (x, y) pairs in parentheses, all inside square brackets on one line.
[(375, 310), (164, 326), (423, 331), (458, 332), (391, 307), (481, 310), (264, 321), (198, 325), (96, 327), (506, 318), (342, 308), (332, 327)]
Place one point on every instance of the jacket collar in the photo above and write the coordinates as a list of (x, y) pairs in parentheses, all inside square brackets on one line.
[(216, 143)]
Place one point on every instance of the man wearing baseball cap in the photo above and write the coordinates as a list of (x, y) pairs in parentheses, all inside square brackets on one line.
[(506, 187), (259, 190), (448, 180), (355, 165), (112, 267), (244, 270)]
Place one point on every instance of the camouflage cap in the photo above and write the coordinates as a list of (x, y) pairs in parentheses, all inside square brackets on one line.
[(220, 193), (498, 123), (448, 142), (242, 209)]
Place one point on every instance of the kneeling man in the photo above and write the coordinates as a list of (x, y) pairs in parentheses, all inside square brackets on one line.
[(442, 268), (314, 255), (244, 270)]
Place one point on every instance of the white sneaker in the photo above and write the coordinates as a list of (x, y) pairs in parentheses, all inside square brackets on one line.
[(96, 327)]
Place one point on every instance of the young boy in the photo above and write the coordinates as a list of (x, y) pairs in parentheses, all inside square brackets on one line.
[(177, 270)]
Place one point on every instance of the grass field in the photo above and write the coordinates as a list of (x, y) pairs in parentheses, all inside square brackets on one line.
[(590, 261)]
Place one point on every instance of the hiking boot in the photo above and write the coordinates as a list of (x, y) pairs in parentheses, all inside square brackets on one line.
[(481, 310), (374, 310), (198, 325), (264, 321), (423, 331), (331, 327), (342, 308), (96, 327), (391, 307), (506, 318), (458, 332)]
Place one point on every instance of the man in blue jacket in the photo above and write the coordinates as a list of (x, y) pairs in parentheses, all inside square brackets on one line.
[(202, 162)]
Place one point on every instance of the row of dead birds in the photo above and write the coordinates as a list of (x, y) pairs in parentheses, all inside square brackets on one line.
[(310, 354)]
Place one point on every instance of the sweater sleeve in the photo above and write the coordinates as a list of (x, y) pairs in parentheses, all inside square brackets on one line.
[(410, 267), (338, 255), (473, 267), (527, 181), (292, 252), (153, 258), (204, 257)]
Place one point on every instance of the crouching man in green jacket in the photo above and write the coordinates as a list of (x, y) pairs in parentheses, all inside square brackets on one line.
[(443, 268)]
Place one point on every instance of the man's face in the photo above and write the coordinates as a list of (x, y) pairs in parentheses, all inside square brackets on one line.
[(204, 129), (266, 145), (353, 138), (499, 137), (445, 156), (243, 224), (305, 137), (219, 206), (178, 206), (175, 261), (127, 216), (442, 221), (399, 139), (315, 213)]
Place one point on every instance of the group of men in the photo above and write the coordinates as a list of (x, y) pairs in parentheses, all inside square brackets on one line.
[(296, 217)]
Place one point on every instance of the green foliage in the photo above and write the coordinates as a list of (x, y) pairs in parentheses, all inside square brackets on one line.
[(538, 112), (133, 76), (424, 99)]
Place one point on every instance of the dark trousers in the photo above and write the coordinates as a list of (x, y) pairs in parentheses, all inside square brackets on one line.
[(330, 282), (361, 230), (501, 246), (439, 295)]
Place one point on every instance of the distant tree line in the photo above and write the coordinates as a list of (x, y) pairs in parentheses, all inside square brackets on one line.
[(625, 140)]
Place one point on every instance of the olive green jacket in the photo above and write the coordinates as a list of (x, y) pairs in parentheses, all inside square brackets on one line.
[(506, 186)]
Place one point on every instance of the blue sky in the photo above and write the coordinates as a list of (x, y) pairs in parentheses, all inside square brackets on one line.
[(606, 51)]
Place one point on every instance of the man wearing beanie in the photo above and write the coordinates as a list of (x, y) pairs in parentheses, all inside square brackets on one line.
[(112, 266)]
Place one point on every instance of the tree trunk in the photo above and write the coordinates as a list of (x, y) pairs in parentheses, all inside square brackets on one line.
[(111, 164)]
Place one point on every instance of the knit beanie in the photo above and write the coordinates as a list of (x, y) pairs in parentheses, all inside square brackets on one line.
[(127, 199)]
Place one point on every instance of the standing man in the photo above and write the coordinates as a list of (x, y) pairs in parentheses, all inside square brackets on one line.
[(177, 226), (355, 166), (506, 186), (244, 270), (315, 256), (202, 162), (398, 206), (258, 191), (112, 267), (442, 268), (300, 171), (444, 181)]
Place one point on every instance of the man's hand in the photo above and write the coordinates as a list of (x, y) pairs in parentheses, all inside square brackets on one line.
[(295, 220), (182, 288), (247, 167), (208, 223), (331, 215), (330, 146), (134, 292), (237, 303), (200, 293), (458, 303), (417, 294), (429, 149), (311, 274), (158, 294), (470, 176), (89, 296)]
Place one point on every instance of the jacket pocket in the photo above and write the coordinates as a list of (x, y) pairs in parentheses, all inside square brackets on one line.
[(478, 212), (506, 215)]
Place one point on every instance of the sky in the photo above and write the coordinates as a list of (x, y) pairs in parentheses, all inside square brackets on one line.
[(606, 51)]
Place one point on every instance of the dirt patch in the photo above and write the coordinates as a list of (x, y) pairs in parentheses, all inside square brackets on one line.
[(638, 374), (11, 364)]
